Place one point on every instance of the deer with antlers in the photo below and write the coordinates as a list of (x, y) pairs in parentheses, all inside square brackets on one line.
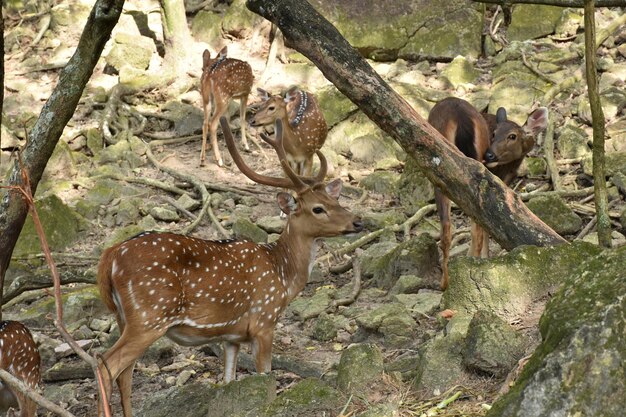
[(19, 356), (196, 291), (223, 79), (304, 125)]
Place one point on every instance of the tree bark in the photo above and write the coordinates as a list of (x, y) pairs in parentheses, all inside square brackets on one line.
[(480, 194), (52, 120), (603, 225), (176, 34), (559, 3)]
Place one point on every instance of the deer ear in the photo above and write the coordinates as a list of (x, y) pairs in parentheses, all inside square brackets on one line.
[(223, 52), (291, 94), (263, 94), (501, 115), (206, 57), (537, 121), (334, 187), (286, 202)]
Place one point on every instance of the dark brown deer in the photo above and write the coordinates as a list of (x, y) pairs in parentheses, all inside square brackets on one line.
[(500, 143), (196, 291), (223, 79), (304, 126), (20, 357)]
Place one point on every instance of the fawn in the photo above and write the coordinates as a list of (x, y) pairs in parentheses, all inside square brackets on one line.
[(196, 291), (19, 356), (304, 126), (499, 143), (223, 79)]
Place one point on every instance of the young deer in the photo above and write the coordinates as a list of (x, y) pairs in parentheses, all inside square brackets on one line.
[(19, 356), (196, 291), (222, 80), (501, 145), (304, 125)]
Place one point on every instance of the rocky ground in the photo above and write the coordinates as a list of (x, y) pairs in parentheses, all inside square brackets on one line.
[(402, 347)]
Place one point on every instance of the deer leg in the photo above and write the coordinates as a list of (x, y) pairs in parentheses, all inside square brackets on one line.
[(231, 350), (262, 351), (205, 129), (476, 247), (445, 238), (307, 169), (484, 253), (243, 102), (125, 384), (27, 406), (220, 109)]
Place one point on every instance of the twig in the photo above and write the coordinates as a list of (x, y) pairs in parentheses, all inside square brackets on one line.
[(536, 70), (548, 152), (562, 193), (169, 200), (18, 385)]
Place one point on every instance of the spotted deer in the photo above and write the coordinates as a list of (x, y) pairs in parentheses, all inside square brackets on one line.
[(20, 357), (223, 79), (304, 126), (499, 143), (196, 291)]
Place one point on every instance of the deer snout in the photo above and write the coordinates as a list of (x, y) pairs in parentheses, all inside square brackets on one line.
[(491, 159), (357, 225)]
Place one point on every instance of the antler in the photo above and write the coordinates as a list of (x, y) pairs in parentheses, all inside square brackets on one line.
[(294, 182)]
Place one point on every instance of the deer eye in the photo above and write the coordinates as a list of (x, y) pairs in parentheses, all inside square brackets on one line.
[(271, 108), (512, 136), (318, 210)]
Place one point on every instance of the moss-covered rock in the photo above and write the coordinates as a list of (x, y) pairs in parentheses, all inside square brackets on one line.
[(580, 366), (379, 220), (614, 162), (392, 320), (417, 256), (420, 305), (573, 142), (384, 182), (307, 307), (492, 346), (207, 27), (440, 364), (61, 225), (335, 106), (536, 166), (239, 21), (308, 397), (200, 399), (525, 24), (370, 257), (359, 367), (460, 71), (507, 285), (408, 284), (325, 328), (244, 229), (132, 50), (555, 212), (414, 189)]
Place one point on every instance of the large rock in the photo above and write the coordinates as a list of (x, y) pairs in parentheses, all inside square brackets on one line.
[(440, 364), (507, 285), (61, 225), (556, 213), (614, 162), (359, 367), (201, 399), (573, 142), (406, 28), (525, 24), (414, 189), (580, 366), (393, 321), (309, 397), (131, 50)]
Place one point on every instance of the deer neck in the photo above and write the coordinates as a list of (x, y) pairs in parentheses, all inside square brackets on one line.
[(294, 254)]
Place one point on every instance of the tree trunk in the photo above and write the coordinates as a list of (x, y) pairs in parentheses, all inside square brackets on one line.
[(176, 34), (597, 116), (467, 182), (559, 3), (52, 120)]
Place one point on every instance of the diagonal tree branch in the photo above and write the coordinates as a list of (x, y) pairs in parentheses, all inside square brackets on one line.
[(467, 182)]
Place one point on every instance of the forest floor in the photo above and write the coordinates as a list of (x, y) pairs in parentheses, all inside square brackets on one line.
[(26, 91)]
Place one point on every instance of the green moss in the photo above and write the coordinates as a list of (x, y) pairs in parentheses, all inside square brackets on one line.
[(308, 397)]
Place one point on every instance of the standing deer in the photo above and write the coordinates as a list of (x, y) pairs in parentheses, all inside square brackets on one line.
[(19, 356), (223, 79), (304, 126), (502, 144), (196, 291)]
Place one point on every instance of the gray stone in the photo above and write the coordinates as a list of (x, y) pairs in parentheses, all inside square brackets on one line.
[(67, 370), (245, 229), (128, 211), (372, 147), (440, 365), (309, 397), (420, 305), (556, 213), (383, 182), (414, 189), (271, 224), (507, 284), (207, 27), (130, 50), (369, 257), (525, 25), (188, 203), (380, 220), (335, 106), (164, 214), (359, 367), (492, 346), (614, 162), (536, 166), (325, 328), (580, 366), (393, 321), (200, 399), (572, 142), (417, 256), (408, 284), (307, 307), (459, 324), (61, 224), (460, 71), (238, 21)]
